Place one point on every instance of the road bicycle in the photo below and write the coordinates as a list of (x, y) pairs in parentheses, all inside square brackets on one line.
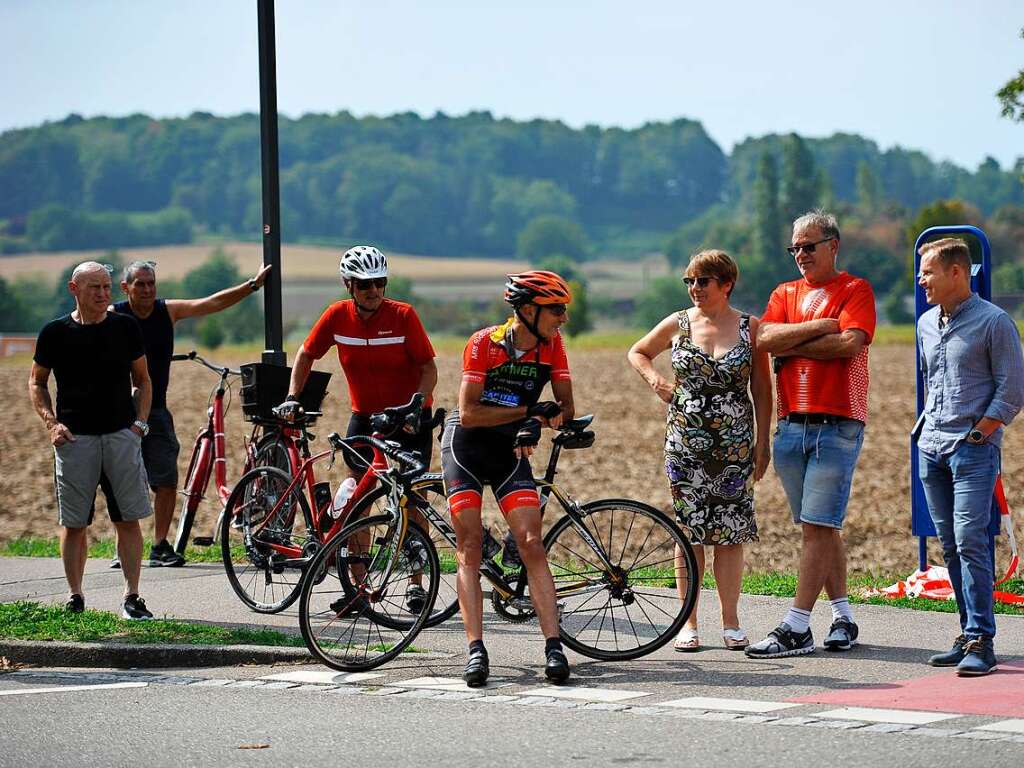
[(267, 446), (624, 572), (275, 522)]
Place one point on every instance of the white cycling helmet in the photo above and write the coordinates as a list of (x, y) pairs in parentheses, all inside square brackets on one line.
[(364, 262)]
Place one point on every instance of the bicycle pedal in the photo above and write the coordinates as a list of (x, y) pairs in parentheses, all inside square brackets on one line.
[(203, 541)]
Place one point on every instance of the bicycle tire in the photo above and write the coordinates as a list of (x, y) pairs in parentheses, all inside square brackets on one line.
[(429, 489), (253, 498), (347, 630), (628, 612), (272, 451)]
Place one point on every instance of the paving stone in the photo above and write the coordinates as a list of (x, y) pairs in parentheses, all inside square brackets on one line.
[(457, 695), (980, 736), (175, 680), (497, 698), (386, 690), (247, 684), (843, 725), (794, 720), (934, 732), (280, 685), (889, 728), (605, 706), (213, 682), (419, 693), (720, 716), (755, 719), (649, 711), (331, 688), (529, 701)]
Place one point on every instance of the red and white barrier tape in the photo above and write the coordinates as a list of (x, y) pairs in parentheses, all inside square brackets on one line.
[(933, 582)]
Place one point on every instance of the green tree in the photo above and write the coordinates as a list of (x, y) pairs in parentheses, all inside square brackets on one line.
[(664, 296), (210, 332), (242, 322), (1011, 95), (868, 196), (579, 312), (11, 309), (549, 235), (799, 188), (767, 238)]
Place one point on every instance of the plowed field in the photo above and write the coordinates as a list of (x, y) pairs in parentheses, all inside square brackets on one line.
[(626, 459)]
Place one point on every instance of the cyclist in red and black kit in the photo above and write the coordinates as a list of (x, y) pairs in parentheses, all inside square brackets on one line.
[(489, 439), (385, 354)]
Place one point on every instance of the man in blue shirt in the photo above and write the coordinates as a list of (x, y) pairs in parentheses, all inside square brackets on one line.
[(974, 372)]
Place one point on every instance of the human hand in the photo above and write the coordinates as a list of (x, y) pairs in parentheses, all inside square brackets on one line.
[(59, 434), (663, 388), (762, 458), (547, 412), (261, 276), (527, 438)]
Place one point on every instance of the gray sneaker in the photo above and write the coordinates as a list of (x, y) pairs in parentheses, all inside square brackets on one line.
[(842, 635), (782, 641)]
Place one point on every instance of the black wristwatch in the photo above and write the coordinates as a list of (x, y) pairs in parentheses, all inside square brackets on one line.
[(976, 436), (253, 284)]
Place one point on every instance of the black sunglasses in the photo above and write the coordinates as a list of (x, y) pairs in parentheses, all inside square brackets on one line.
[(701, 281), (809, 247), (374, 282), (555, 309)]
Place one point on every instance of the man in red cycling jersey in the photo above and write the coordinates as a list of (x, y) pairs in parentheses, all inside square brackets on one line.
[(490, 438), (385, 354)]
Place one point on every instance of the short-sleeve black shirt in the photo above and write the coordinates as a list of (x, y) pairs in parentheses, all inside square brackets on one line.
[(158, 336), (92, 367)]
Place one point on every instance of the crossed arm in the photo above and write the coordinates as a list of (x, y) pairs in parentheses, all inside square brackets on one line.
[(817, 339)]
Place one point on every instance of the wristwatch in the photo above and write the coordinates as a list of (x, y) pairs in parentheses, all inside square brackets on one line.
[(253, 284), (976, 436), (143, 426)]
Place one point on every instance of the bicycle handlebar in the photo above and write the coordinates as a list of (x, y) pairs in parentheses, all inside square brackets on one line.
[(391, 450), (223, 370)]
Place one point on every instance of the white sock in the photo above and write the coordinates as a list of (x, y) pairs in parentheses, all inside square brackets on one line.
[(798, 619), (841, 609)]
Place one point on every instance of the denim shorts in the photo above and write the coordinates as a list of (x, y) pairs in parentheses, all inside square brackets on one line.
[(815, 463)]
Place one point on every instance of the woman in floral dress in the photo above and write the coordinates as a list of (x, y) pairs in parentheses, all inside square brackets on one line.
[(713, 453)]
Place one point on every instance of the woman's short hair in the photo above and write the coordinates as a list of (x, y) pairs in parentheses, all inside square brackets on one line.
[(716, 264)]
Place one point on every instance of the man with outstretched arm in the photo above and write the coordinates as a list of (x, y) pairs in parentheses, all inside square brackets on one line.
[(974, 372), (96, 357), (157, 317), (818, 328)]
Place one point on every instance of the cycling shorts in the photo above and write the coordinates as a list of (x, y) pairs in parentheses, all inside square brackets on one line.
[(471, 458)]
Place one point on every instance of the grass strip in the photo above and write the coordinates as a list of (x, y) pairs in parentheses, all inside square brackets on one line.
[(25, 620)]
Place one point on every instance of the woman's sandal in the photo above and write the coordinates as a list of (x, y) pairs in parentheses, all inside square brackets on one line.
[(687, 641), (735, 639)]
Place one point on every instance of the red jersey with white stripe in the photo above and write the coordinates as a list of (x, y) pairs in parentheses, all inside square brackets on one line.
[(838, 386), (383, 357)]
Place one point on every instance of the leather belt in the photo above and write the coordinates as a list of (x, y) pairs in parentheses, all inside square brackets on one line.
[(816, 418)]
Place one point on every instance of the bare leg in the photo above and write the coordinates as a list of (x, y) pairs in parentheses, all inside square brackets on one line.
[(835, 579), (74, 547), (524, 522), (728, 569), (163, 512), (129, 549), (815, 566), (471, 596), (680, 565)]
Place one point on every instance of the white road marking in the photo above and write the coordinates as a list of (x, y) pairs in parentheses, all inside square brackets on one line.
[(323, 677), (1004, 726), (447, 684), (64, 688), (903, 716), (585, 694), (728, 705)]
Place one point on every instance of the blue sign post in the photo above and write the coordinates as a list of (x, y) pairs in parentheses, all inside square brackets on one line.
[(981, 283)]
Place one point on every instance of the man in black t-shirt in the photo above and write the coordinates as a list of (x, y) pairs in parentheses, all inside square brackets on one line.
[(96, 357), (156, 317)]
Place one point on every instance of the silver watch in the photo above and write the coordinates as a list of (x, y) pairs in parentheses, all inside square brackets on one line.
[(143, 426)]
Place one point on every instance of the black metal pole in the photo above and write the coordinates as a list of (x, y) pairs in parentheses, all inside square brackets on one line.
[(274, 351)]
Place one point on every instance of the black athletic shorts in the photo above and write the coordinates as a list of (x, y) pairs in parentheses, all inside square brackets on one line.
[(421, 443)]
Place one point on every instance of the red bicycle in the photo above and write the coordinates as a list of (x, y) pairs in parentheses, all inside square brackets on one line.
[(275, 522), (268, 445)]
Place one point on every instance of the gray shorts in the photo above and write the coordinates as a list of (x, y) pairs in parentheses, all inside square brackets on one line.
[(160, 450), (77, 469)]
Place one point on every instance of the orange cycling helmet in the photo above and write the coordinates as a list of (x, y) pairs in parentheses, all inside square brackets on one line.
[(536, 287)]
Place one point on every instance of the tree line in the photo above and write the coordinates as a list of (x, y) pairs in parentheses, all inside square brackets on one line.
[(442, 185)]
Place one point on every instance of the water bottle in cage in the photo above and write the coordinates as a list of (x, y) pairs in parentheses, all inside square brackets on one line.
[(345, 491)]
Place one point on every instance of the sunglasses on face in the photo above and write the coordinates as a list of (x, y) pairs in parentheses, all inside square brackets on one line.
[(555, 309), (700, 281), (365, 285), (809, 247)]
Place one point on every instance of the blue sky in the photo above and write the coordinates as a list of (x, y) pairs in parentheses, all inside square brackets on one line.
[(919, 74)]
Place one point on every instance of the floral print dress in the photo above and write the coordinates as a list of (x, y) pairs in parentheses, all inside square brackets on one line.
[(709, 440)]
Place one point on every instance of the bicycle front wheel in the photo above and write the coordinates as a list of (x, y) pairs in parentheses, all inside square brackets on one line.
[(354, 606), (264, 536), (639, 603)]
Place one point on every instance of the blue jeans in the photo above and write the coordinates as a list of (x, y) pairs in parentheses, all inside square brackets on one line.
[(815, 463), (958, 487)]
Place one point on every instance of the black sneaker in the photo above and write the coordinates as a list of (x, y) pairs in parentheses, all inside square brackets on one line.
[(415, 598), (952, 657), (842, 635), (979, 658), (75, 604), (556, 669), (477, 669), (163, 554), (116, 563), (510, 553), (782, 641), (134, 608)]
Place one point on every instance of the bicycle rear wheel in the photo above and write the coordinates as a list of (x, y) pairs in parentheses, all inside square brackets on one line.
[(263, 543), (428, 490), (632, 608), (353, 610), (272, 451)]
